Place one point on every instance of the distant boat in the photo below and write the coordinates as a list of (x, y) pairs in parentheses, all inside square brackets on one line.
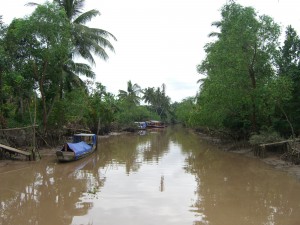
[(83, 145), (155, 124), (141, 125)]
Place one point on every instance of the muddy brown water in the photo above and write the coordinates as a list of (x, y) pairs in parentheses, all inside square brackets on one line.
[(167, 176)]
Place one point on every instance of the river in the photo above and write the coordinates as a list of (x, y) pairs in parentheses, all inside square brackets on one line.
[(166, 176)]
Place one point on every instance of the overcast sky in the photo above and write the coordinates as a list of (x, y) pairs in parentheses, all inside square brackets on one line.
[(159, 41)]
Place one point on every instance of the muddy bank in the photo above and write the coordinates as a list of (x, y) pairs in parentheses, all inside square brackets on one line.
[(272, 158), (18, 162)]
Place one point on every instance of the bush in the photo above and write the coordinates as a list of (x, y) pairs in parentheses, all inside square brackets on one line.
[(265, 136)]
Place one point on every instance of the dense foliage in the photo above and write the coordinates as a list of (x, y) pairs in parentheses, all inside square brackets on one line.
[(39, 78), (251, 83)]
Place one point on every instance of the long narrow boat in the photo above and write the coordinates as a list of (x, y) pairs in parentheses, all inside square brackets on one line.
[(83, 145), (155, 124), (140, 125)]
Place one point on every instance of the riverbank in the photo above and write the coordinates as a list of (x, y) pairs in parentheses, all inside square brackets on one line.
[(272, 158)]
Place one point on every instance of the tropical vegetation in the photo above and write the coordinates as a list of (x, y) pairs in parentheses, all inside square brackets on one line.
[(40, 78), (249, 80)]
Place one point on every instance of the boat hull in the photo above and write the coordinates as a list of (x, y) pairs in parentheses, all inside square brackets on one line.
[(155, 124), (82, 146), (70, 156)]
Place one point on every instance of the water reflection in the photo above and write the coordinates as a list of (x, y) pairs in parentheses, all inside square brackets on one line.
[(46, 192), (239, 190), (166, 176), (162, 183)]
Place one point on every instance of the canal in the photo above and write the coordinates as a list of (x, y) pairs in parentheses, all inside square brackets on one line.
[(167, 176)]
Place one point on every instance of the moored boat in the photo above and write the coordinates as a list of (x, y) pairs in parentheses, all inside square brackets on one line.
[(83, 145), (155, 124), (141, 125)]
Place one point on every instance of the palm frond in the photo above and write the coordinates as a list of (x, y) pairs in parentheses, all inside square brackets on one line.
[(89, 41), (103, 33), (217, 24), (84, 69), (80, 69), (214, 34), (73, 81), (100, 40), (86, 17), (32, 4), (85, 53), (72, 7)]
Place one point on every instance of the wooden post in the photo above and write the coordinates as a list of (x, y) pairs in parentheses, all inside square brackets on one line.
[(98, 128), (263, 151), (34, 150)]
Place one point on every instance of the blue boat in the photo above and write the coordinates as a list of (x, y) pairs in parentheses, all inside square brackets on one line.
[(83, 145), (140, 125)]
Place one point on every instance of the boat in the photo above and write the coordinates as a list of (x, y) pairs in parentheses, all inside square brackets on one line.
[(83, 145), (141, 125), (155, 124)]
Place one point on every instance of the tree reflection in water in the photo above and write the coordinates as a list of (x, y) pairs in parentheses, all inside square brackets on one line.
[(167, 176), (48, 193)]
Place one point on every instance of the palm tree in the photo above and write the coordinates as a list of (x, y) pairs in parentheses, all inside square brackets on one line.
[(160, 103), (87, 40), (69, 75), (132, 93), (148, 95)]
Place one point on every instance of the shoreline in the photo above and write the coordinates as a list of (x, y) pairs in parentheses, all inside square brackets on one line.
[(271, 158)]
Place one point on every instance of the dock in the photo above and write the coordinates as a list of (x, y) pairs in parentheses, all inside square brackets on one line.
[(290, 147), (14, 150)]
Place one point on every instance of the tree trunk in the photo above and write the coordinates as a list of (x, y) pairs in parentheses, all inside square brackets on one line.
[(41, 86), (253, 84)]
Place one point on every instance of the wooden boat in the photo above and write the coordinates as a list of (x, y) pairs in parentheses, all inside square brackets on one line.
[(141, 125), (155, 124), (83, 145)]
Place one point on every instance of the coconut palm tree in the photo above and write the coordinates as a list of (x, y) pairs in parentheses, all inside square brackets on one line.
[(159, 102), (132, 93), (148, 95), (87, 41), (69, 76)]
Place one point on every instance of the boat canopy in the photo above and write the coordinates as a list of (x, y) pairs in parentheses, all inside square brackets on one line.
[(79, 148), (141, 125)]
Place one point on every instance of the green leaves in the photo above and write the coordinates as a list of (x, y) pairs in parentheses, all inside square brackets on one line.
[(239, 67), (131, 96), (87, 41), (39, 43), (36, 54)]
